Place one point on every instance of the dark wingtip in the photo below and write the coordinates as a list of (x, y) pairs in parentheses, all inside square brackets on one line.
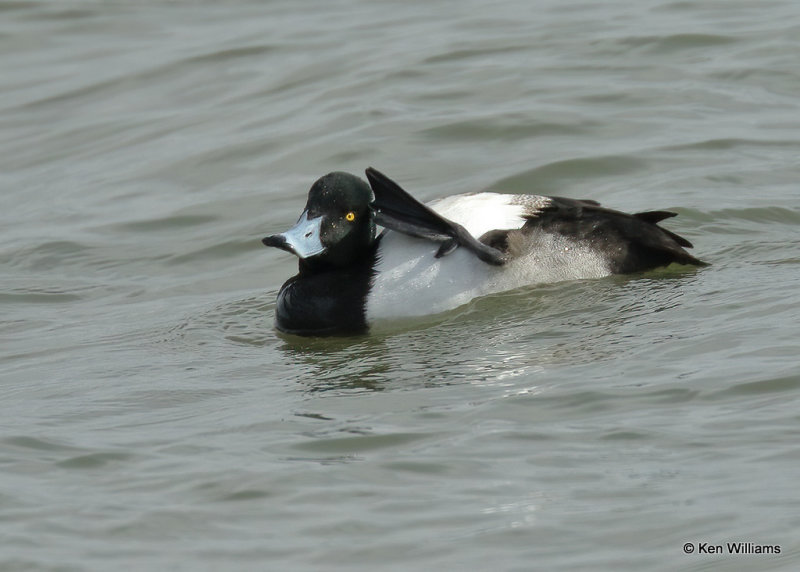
[(655, 216), (376, 178), (677, 238)]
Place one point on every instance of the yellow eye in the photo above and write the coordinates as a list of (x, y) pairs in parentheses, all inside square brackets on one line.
[(351, 216)]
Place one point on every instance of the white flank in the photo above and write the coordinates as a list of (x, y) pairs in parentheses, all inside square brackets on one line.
[(410, 281)]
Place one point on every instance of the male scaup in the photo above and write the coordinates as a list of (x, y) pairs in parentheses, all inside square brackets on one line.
[(349, 276)]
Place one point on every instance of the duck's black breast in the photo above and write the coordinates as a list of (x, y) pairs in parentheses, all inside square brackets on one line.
[(326, 302)]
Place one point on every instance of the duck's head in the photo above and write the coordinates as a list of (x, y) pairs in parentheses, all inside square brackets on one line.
[(337, 226)]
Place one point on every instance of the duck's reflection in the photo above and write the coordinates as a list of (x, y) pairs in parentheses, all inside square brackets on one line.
[(494, 340)]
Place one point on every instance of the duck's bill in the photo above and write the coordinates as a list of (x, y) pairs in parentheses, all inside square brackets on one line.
[(303, 239)]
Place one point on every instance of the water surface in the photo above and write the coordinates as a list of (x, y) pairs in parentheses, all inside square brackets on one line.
[(153, 419)]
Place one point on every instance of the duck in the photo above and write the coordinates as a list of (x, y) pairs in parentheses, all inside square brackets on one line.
[(369, 251)]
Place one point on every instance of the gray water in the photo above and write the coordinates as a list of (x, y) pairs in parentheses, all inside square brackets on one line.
[(152, 419)]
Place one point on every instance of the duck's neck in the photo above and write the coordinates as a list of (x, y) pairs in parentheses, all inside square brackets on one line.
[(342, 258), (326, 300)]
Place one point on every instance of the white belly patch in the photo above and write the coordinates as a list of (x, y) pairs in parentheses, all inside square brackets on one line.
[(410, 281)]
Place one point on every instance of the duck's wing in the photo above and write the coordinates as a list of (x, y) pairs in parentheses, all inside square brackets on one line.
[(397, 210), (630, 242)]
